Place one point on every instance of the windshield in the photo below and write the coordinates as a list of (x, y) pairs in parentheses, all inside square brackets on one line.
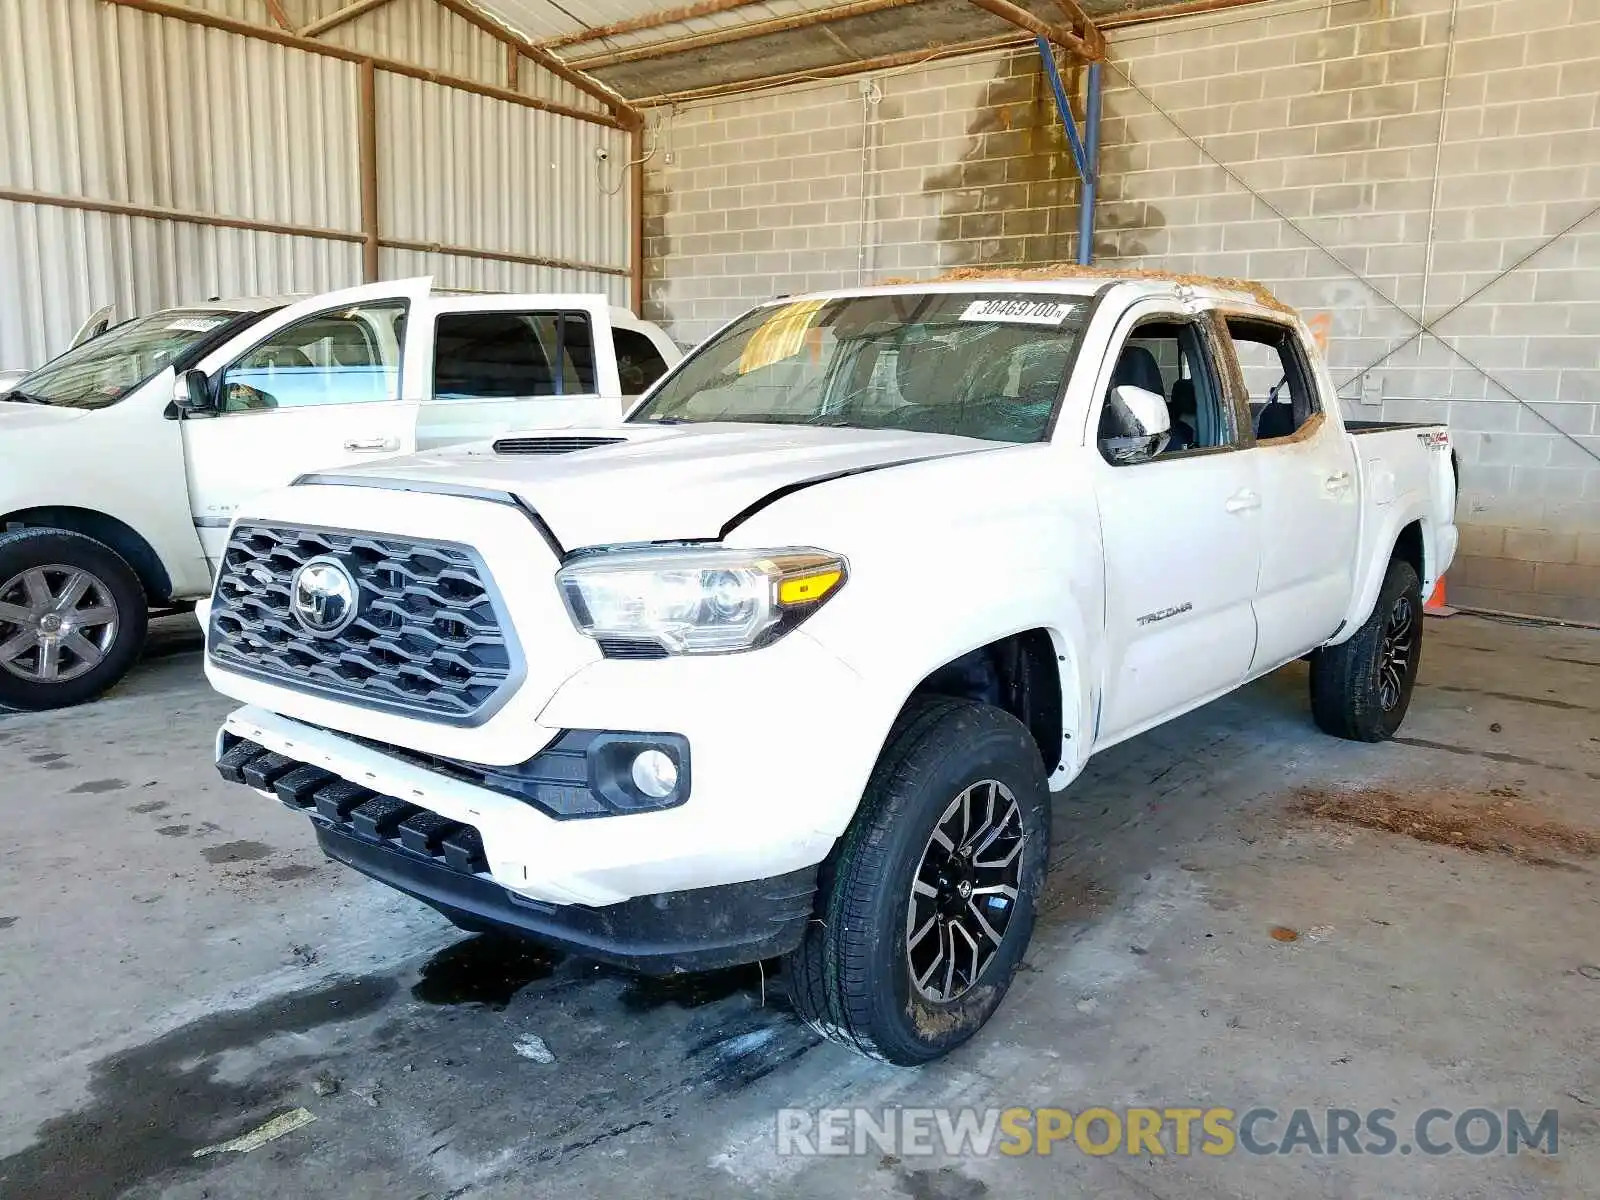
[(103, 370), (989, 365)]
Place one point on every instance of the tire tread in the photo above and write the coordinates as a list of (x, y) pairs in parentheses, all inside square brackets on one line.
[(130, 637), (830, 975), (1343, 684)]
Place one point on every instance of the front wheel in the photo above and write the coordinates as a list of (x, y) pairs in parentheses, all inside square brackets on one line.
[(927, 904), (1361, 688), (72, 618)]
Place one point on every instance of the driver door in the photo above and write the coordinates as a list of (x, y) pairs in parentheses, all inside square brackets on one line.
[(319, 385), (1181, 531)]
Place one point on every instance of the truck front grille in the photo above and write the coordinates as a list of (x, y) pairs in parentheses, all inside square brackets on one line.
[(427, 638)]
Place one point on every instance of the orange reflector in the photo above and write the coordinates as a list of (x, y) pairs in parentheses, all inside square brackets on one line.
[(809, 587)]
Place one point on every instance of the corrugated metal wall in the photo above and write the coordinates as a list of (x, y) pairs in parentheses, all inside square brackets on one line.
[(509, 182), (110, 104)]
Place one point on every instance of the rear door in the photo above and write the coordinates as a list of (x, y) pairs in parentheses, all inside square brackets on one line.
[(320, 384), (1181, 530), (1306, 463), (517, 362)]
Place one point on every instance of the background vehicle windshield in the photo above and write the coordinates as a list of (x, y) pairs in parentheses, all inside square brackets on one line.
[(986, 365), (105, 369)]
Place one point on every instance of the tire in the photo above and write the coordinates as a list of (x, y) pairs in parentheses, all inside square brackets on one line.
[(851, 978), (1357, 691), (110, 589)]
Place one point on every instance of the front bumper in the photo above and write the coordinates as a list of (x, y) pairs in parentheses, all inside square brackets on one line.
[(782, 741), (703, 929), (441, 862)]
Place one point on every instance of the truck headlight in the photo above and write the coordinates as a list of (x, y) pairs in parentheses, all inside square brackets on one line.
[(698, 600)]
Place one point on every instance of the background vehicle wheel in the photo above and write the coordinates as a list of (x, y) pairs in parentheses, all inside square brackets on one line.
[(927, 903), (1361, 689), (72, 618)]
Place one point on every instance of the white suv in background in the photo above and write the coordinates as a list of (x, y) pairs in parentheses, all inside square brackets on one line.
[(123, 461)]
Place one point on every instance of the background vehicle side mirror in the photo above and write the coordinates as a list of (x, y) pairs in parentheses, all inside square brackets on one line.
[(192, 396), (1140, 424)]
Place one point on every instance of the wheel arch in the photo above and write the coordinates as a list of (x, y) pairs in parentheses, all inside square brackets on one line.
[(1030, 673), (121, 537), (1410, 547), (1408, 535)]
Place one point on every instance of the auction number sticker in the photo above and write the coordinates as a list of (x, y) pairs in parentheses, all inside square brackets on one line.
[(1019, 312), (193, 325)]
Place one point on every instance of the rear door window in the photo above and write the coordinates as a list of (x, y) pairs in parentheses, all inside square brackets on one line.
[(1273, 372), (510, 355), (639, 363)]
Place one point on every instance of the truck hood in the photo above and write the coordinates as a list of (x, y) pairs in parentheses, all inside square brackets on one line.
[(16, 415), (659, 482)]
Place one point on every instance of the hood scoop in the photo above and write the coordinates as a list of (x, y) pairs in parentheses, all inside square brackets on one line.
[(552, 445)]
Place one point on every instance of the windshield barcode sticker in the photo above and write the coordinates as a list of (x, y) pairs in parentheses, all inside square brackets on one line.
[(1020, 312), (193, 325)]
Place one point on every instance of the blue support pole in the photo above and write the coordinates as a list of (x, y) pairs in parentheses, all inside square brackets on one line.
[(1085, 149), (1091, 177)]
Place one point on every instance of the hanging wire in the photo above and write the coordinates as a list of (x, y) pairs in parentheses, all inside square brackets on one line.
[(1422, 325), (622, 174), (1438, 155)]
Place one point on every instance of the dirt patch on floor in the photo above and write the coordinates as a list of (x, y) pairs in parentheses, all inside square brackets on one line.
[(1500, 822)]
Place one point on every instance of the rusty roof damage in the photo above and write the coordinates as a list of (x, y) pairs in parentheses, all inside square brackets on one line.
[(1258, 292), (713, 47)]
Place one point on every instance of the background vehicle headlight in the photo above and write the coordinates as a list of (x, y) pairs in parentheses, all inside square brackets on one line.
[(694, 600)]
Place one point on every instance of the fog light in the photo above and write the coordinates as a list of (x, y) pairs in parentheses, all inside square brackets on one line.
[(655, 774)]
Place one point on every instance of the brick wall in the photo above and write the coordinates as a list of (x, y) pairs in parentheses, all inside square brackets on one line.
[(1324, 167)]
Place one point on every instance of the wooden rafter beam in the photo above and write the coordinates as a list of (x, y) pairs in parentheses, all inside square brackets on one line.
[(468, 11), (279, 17), (649, 20), (882, 62), (335, 19), (1091, 47), (735, 33)]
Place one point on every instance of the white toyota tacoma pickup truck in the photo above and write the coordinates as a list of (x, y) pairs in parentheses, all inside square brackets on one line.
[(123, 460), (790, 663)]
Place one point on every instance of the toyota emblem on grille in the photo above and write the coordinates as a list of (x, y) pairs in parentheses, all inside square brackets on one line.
[(324, 596)]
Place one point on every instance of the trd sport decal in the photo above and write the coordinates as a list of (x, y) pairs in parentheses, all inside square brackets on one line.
[(1152, 618)]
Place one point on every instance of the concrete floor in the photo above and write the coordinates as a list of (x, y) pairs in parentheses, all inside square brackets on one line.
[(178, 965)]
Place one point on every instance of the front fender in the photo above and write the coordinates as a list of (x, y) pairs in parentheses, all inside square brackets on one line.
[(894, 650)]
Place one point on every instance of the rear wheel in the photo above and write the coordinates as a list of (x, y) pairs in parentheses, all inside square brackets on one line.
[(1361, 688), (927, 904), (72, 618)]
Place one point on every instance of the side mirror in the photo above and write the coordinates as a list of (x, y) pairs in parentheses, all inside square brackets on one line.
[(192, 396), (1140, 425)]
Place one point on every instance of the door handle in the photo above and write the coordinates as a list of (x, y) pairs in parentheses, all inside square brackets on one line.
[(1243, 501), (370, 445), (1337, 482)]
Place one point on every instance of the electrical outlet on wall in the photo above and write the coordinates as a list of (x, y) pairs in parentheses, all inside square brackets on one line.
[(1372, 388)]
